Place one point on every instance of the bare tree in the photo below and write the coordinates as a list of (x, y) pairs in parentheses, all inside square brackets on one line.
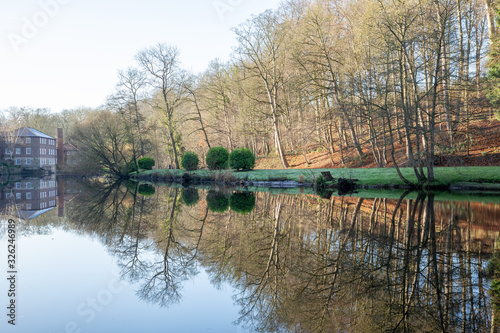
[(161, 64), (193, 87), (131, 82), (262, 53)]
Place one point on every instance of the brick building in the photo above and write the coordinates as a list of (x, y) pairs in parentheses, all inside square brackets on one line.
[(70, 154), (29, 149)]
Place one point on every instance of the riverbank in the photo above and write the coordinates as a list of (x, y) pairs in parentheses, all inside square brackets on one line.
[(456, 178)]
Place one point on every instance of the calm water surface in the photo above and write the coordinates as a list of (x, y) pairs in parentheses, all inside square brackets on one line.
[(97, 257)]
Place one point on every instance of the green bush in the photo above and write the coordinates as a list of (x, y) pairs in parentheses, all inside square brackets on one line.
[(131, 167), (146, 163), (217, 158), (190, 161), (132, 186), (320, 183), (242, 159), (320, 187), (242, 202), (190, 196), (217, 201), (146, 190)]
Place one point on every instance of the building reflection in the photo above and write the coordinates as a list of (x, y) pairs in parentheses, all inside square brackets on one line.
[(28, 198)]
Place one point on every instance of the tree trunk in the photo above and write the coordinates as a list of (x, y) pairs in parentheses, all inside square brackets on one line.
[(490, 16), (279, 146), (172, 139)]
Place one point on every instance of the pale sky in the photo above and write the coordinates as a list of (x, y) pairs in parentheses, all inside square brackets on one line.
[(64, 54)]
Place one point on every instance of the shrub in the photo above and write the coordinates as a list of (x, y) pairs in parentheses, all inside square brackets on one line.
[(146, 190), (190, 161), (320, 187), (242, 159), (242, 202), (132, 185), (320, 183), (217, 158), (217, 201), (190, 196), (146, 163), (131, 167)]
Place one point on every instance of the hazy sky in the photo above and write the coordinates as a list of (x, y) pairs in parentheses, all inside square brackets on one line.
[(63, 54)]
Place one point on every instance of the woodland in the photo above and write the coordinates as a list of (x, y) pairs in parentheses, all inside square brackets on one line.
[(362, 82)]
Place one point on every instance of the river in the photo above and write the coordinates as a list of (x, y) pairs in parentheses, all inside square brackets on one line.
[(94, 256)]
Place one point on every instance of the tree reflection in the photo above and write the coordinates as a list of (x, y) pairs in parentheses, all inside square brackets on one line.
[(145, 234), (301, 263), (163, 287), (397, 269)]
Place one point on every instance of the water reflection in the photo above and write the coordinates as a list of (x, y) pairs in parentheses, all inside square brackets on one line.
[(28, 198), (301, 263)]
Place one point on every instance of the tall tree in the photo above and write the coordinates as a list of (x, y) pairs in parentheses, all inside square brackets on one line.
[(161, 64), (494, 71), (262, 53), (193, 88), (215, 84), (130, 85)]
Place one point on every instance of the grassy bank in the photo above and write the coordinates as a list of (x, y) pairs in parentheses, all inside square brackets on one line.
[(483, 177)]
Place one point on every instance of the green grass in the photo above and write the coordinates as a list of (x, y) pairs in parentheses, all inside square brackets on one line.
[(369, 176), (485, 197)]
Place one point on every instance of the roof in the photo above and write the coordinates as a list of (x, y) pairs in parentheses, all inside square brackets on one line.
[(27, 214), (31, 132), (69, 146)]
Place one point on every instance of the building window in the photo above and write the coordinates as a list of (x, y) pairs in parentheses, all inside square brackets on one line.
[(28, 140), (28, 151), (18, 185), (18, 195), (28, 185), (28, 195), (7, 151), (18, 151), (28, 206), (18, 161), (28, 161), (7, 195)]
